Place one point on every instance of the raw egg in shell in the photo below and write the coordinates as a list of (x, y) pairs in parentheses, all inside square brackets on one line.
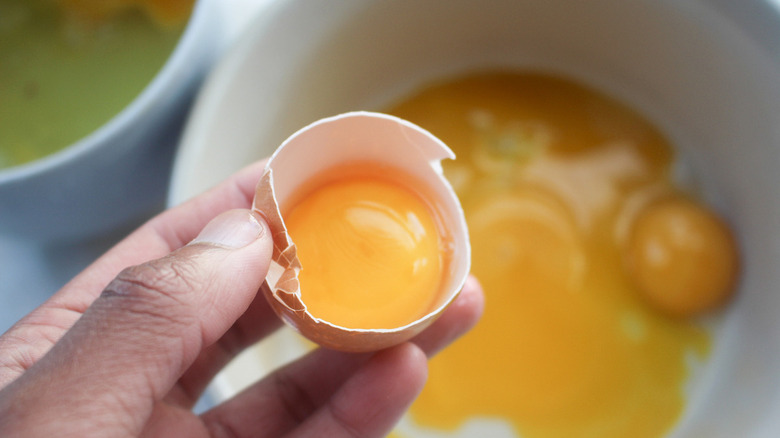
[(370, 241)]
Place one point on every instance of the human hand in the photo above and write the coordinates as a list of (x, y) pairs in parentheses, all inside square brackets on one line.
[(125, 352)]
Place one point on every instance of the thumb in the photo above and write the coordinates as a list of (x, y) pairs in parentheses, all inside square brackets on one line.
[(149, 324)]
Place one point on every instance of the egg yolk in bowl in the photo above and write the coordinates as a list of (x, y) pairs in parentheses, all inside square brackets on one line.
[(591, 256)]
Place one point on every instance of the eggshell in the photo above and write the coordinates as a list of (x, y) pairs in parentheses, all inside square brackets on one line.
[(336, 141)]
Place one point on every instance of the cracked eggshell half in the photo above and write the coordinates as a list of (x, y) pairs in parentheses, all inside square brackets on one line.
[(358, 137)]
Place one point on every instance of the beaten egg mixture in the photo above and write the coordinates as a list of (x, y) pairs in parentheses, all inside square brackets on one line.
[(553, 178)]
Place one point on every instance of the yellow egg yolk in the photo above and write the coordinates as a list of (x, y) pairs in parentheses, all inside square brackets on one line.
[(370, 253), (682, 257), (567, 346)]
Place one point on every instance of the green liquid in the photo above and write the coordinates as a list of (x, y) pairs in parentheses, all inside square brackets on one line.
[(59, 80)]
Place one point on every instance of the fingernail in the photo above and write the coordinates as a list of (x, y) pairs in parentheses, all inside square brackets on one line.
[(232, 229)]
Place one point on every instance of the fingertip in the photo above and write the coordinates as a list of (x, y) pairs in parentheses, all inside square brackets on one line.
[(461, 315), (472, 300), (406, 363), (409, 362), (247, 178), (234, 229), (372, 401), (419, 361)]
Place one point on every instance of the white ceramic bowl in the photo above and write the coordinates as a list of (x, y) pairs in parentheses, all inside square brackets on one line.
[(119, 173), (706, 72)]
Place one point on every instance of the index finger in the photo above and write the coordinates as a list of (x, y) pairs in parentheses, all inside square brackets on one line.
[(30, 338), (162, 234)]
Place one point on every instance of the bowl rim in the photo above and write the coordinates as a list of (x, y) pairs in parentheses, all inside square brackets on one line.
[(166, 77)]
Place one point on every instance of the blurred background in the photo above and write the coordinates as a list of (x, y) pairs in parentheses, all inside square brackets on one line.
[(32, 269)]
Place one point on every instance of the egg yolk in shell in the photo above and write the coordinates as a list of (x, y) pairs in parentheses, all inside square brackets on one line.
[(370, 252), (571, 344)]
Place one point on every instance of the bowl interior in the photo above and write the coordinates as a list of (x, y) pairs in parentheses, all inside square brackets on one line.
[(688, 66)]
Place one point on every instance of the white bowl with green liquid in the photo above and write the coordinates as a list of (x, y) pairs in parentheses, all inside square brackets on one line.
[(91, 104)]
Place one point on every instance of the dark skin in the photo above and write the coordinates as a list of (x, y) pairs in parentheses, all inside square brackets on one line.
[(127, 347)]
